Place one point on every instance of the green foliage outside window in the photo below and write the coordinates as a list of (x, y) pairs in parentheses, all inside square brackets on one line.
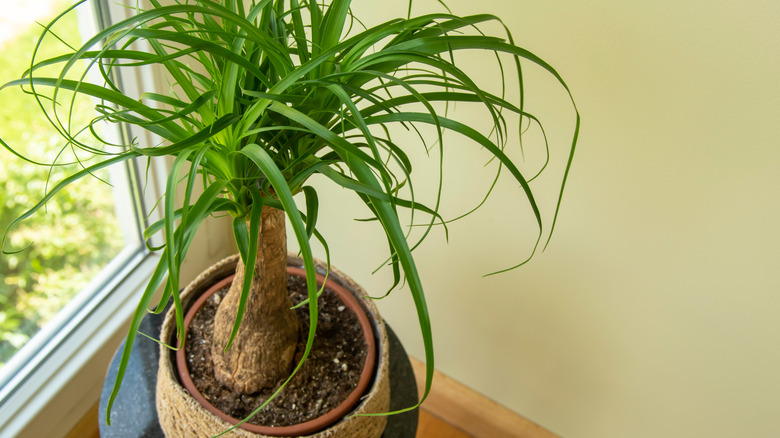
[(77, 234)]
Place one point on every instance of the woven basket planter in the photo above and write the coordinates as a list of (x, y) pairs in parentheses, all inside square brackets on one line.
[(182, 416)]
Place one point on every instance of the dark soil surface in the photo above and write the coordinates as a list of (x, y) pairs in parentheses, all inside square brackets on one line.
[(327, 377)]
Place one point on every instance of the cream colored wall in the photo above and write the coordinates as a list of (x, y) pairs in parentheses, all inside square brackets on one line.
[(654, 312)]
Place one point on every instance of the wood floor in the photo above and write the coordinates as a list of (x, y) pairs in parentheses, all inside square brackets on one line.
[(455, 410), (431, 426), (87, 427), (452, 410)]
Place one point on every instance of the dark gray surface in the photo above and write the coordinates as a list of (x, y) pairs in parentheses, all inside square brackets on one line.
[(134, 414)]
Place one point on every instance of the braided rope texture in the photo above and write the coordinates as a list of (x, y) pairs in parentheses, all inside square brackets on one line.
[(183, 417)]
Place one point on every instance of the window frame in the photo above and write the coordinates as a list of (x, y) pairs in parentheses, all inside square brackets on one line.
[(64, 384), (58, 375)]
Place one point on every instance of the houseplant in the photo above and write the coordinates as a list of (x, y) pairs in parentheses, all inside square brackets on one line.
[(264, 95)]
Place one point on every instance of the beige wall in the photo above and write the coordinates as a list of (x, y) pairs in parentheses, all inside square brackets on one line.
[(654, 312)]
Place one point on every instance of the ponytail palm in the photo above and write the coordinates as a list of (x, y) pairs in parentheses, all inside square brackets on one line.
[(266, 94)]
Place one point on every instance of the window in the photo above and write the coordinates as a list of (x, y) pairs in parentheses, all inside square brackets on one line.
[(57, 375), (79, 234), (63, 302)]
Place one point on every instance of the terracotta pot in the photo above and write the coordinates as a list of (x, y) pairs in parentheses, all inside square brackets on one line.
[(308, 427), (185, 413)]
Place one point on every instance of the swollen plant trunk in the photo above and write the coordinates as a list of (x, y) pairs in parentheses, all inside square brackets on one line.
[(262, 352)]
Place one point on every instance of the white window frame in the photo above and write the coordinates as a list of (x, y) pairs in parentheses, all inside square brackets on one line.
[(58, 376), (60, 385)]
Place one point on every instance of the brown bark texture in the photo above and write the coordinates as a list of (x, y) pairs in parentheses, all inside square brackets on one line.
[(262, 352)]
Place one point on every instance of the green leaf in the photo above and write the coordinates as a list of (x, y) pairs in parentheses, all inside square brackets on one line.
[(140, 311), (248, 255), (208, 203), (192, 140), (173, 250), (390, 222), (312, 206), (168, 130), (241, 233)]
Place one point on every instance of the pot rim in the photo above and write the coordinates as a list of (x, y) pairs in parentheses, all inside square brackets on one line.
[(318, 423)]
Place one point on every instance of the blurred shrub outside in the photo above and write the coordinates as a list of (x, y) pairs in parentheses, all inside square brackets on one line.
[(76, 235)]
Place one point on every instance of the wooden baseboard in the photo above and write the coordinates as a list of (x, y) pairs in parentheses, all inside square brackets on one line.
[(87, 427), (472, 412), (431, 426)]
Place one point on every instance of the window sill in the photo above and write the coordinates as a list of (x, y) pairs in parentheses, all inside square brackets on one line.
[(65, 383)]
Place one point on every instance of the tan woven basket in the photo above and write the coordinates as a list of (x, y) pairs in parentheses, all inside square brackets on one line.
[(183, 417)]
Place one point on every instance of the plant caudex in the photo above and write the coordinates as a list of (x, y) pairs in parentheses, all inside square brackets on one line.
[(266, 94)]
